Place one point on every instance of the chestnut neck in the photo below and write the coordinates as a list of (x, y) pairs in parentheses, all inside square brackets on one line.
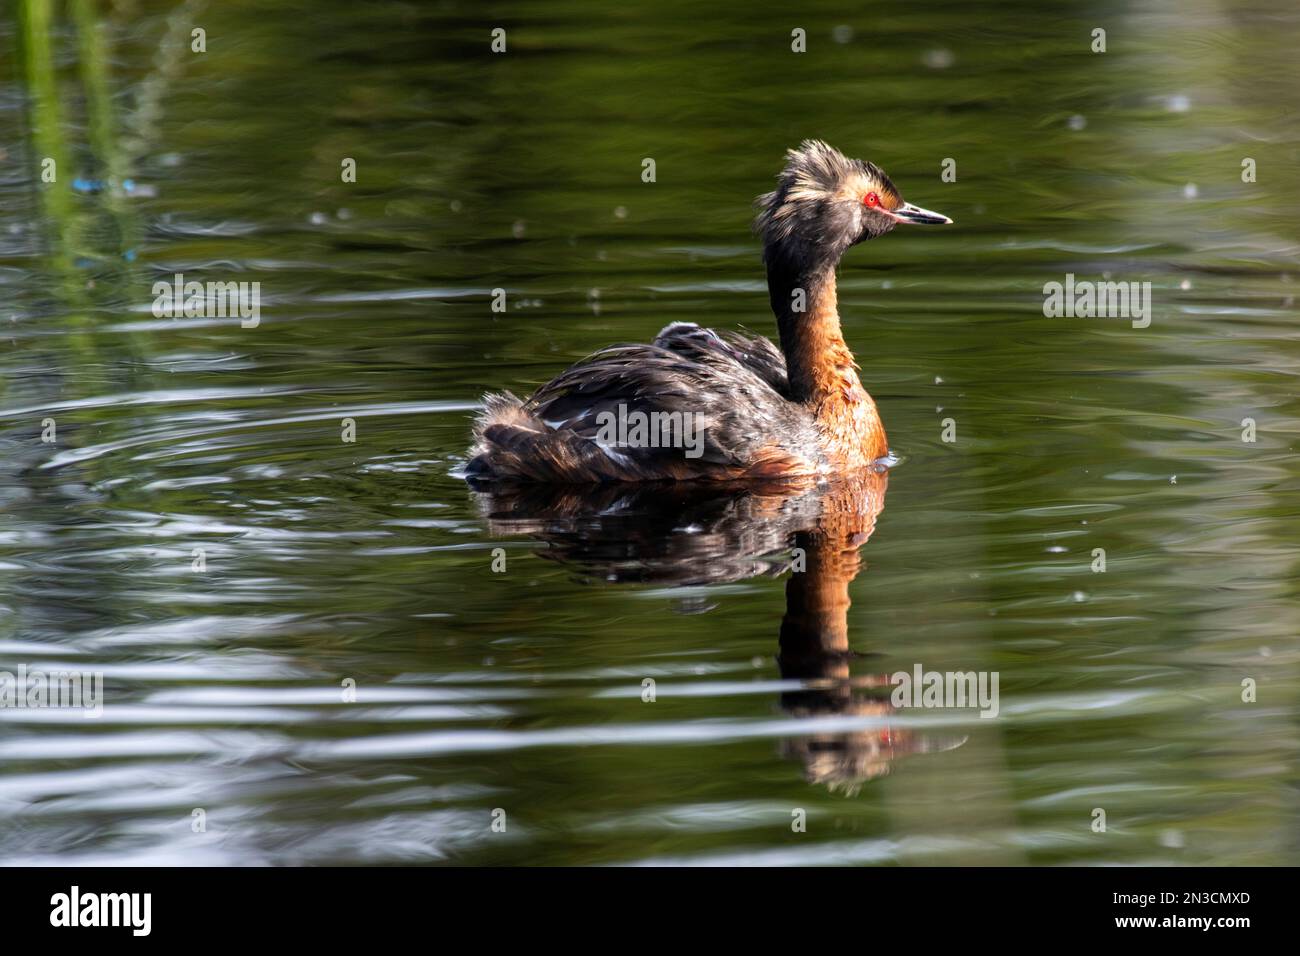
[(818, 361)]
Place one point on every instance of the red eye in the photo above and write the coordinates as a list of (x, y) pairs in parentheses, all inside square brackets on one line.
[(871, 199)]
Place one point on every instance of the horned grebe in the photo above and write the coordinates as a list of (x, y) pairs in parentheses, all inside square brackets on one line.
[(761, 413)]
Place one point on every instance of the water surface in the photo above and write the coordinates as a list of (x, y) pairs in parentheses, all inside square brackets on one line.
[(327, 561)]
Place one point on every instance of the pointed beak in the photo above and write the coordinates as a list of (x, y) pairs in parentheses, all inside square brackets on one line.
[(918, 216)]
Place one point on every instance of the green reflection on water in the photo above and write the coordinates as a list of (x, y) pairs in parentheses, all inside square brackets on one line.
[(328, 560)]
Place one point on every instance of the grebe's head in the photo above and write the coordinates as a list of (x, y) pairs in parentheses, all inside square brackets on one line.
[(825, 202)]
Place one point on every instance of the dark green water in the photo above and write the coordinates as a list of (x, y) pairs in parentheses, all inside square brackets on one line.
[(328, 561)]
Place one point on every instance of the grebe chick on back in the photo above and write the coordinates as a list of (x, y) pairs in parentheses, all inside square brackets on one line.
[(753, 411)]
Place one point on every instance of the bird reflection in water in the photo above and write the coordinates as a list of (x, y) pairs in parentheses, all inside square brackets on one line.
[(691, 534)]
